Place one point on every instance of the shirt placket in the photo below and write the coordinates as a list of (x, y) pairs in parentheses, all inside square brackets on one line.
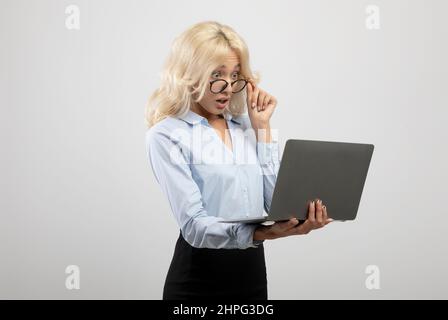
[(246, 200)]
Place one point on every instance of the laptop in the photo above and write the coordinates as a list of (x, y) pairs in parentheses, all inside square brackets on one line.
[(334, 172)]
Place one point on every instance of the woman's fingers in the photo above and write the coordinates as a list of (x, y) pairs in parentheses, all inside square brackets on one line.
[(258, 98), (266, 99), (273, 101), (261, 97), (312, 212), (324, 213), (304, 228), (285, 228), (319, 214), (287, 225), (317, 218), (249, 94), (255, 97)]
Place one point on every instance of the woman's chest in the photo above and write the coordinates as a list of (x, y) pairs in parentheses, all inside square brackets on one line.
[(205, 146)]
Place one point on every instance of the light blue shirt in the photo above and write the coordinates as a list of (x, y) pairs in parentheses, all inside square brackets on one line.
[(205, 181)]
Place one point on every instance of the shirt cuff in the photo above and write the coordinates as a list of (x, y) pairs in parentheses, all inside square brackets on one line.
[(245, 236)]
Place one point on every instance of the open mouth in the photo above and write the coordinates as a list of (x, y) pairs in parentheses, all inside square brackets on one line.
[(222, 103)]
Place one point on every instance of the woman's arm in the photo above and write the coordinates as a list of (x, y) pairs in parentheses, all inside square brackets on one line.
[(261, 106), (316, 219), (198, 227), (269, 159)]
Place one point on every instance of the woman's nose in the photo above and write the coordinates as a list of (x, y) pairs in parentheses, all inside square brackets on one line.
[(228, 89)]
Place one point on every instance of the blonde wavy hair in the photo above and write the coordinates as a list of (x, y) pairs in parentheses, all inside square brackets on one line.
[(185, 77)]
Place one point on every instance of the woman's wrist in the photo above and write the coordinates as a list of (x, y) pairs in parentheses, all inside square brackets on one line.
[(259, 234), (263, 132)]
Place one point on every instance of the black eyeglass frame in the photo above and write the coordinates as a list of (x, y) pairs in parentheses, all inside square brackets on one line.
[(227, 83)]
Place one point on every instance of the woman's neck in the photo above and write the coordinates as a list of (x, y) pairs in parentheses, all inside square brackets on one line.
[(202, 112)]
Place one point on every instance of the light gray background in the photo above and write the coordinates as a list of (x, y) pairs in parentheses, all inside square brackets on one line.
[(77, 188)]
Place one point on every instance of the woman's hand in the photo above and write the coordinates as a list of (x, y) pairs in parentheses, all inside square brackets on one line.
[(260, 105), (317, 218)]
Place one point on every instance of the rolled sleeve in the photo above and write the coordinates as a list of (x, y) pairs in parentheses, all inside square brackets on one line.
[(268, 154), (199, 228), (246, 235), (269, 159)]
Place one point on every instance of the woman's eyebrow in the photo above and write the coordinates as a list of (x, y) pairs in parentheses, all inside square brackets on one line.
[(236, 67)]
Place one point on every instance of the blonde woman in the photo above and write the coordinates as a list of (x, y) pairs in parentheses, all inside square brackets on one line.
[(211, 151)]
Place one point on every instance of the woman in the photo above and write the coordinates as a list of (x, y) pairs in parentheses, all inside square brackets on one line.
[(213, 160)]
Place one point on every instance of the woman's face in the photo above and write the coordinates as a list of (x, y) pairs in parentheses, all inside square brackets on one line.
[(229, 71)]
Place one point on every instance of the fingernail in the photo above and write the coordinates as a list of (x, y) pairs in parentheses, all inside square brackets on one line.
[(253, 105)]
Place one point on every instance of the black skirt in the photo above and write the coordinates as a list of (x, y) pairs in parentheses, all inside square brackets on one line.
[(209, 274)]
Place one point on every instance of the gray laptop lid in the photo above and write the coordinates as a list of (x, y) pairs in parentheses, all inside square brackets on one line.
[(332, 171)]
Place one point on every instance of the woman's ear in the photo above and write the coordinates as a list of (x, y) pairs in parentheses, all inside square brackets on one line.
[(194, 95), (196, 84), (195, 89)]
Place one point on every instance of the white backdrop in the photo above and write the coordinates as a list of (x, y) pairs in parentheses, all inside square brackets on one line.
[(76, 185)]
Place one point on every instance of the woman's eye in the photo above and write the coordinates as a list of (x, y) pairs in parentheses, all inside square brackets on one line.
[(217, 75)]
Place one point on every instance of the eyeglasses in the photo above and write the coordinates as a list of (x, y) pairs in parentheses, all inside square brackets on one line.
[(219, 85)]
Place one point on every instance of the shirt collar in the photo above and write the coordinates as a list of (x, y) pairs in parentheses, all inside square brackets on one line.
[(193, 118)]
